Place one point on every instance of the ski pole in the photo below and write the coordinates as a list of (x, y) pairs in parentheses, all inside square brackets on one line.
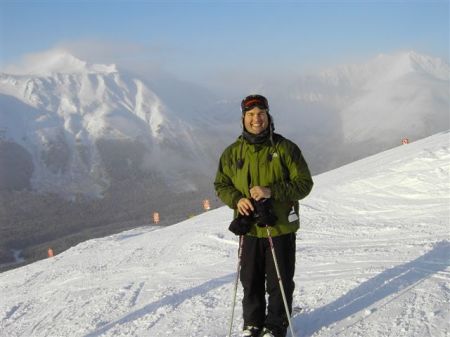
[(241, 243), (283, 294)]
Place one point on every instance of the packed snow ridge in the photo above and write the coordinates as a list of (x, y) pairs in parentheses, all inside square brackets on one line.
[(373, 257)]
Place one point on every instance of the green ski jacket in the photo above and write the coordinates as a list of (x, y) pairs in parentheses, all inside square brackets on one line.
[(281, 167)]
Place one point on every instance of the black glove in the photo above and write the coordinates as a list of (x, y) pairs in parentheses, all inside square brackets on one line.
[(263, 213), (242, 224)]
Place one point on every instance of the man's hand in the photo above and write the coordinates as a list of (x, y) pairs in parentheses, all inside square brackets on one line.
[(244, 206), (259, 192)]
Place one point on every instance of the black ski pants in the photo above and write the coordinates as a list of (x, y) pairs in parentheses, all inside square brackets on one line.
[(258, 274)]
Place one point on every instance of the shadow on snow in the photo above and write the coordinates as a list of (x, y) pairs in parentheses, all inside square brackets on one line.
[(173, 300), (389, 282)]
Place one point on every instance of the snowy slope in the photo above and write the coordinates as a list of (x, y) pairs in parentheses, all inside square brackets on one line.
[(373, 258)]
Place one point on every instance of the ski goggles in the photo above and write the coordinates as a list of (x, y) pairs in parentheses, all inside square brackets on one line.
[(251, 101)]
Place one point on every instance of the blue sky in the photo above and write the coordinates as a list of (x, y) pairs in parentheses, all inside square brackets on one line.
[(197, 39)]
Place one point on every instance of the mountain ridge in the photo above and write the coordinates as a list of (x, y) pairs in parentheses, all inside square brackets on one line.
[(79, 108), (58, 61)]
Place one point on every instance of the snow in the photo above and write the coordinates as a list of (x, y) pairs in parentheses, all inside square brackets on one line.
[(373, 257)]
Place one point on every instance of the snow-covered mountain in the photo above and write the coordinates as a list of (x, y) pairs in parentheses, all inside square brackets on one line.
[(373, 258), (351, 111), (71, 127), (70, 124), (407, 93)]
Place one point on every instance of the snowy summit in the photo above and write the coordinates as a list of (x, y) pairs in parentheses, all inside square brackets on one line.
[(373, 257), (58, 62)]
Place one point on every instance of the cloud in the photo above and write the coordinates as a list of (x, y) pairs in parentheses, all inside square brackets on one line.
[(123, 53)]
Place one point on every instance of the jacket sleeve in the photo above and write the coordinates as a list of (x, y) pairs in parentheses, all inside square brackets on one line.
[(298, 182), (224, 186)]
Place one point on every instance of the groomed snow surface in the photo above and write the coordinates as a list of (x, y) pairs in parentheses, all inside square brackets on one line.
[(373, 258)]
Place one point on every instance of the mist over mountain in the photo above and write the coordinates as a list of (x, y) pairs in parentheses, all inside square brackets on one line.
[(348, 112), (100, 141)]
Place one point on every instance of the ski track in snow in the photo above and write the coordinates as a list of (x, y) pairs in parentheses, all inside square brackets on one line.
[(373, 256)]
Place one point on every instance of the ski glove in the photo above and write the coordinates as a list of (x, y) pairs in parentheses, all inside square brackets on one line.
[(263, 214), (241, 225)]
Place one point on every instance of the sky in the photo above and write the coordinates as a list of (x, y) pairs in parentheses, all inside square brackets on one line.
[(215, 40)]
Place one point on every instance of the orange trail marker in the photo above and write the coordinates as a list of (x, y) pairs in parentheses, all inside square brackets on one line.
[(156, 217), (206, 205)]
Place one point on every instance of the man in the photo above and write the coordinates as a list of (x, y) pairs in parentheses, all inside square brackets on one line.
[(263, 172)]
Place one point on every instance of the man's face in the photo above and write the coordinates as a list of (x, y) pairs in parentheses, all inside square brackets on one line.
[(256, 120)]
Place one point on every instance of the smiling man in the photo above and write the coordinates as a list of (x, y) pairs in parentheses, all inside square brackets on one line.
[(262, 176)]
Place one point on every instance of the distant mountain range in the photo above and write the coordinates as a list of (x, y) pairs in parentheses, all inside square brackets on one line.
[(73, 128), (88, 150)]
